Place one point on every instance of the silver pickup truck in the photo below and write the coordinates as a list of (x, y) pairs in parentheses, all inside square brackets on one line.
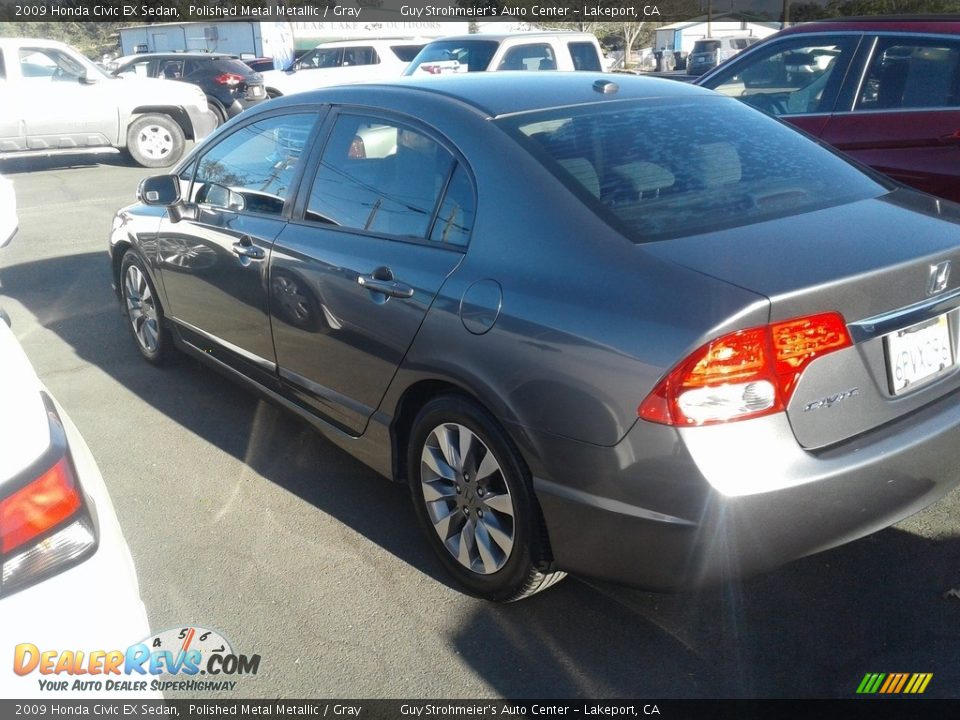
[(54, 101)]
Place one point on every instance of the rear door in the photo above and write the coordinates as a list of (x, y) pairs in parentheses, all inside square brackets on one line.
[(214, 266), (384, 217), (903, 116)]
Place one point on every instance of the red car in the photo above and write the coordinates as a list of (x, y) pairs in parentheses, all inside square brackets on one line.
[(886, 92)]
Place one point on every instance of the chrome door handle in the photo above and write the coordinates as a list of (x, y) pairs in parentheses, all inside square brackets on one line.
[(391, 288), (246, 249)]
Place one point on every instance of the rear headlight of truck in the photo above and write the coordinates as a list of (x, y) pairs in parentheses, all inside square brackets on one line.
[(46, 525)]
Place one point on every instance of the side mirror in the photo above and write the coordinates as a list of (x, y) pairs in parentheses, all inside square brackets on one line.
[(159, 190)]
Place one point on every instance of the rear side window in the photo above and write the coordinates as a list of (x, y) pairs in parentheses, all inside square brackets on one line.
[(406, 53), (353, 56), (664, 169), (584, 55), (912, 73), (529, 57), (379, 176)]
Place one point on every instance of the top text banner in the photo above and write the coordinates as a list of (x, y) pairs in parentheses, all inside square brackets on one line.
[(400, 11)]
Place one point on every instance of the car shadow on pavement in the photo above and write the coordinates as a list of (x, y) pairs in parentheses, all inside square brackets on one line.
[(888, 603), (811, 629), (14, 166)]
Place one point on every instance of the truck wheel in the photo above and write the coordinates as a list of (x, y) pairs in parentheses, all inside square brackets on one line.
[(155, 141)]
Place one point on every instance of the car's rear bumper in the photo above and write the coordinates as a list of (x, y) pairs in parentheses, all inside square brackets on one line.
[(735, 500)]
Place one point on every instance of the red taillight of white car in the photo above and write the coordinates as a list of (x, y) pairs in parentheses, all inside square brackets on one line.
[(228, 79), (44, 524), (745, 374)]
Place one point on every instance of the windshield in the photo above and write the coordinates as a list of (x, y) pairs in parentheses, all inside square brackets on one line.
[(453, 56), (657, 169)]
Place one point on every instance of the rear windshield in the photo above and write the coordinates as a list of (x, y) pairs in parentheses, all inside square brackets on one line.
[(706, 46), (447, 56), (656, 169)]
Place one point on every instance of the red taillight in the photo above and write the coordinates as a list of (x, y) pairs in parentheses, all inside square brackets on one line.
[(38, 507), (744, 374), (231, 79)]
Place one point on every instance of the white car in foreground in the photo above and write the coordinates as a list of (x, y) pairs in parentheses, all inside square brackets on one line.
[(343, 62), (67, 581)]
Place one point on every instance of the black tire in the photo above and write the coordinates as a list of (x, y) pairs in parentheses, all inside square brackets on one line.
[(143, 311), (155, 141), (272, 93), (482, 518)]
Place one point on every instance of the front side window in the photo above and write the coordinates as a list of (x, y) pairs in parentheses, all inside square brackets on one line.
[(914, 73), (322, 58), (795, 78), (379, 176), (253, 168), (450, 56), (659, 169), (353, 56), (49, 64)]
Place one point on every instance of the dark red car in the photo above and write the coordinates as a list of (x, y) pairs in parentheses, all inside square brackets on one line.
[(886, 92)]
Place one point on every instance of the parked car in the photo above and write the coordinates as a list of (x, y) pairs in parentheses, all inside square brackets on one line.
[(342, 62), (60, 543), (230, 85), (260, 64), (53, 101), (589, 322), (710, 52), (509, 51), (882, 91)]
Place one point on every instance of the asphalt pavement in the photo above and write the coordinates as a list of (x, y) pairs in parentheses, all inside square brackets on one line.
[(240, 518)]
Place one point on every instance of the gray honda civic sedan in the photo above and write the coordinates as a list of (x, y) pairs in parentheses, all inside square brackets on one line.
[(613, 326)]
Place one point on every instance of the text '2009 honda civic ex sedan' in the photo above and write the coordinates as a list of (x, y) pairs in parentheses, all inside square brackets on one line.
[(633, 330)]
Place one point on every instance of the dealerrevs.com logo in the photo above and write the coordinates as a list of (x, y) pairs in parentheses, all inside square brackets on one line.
[(187, 658)]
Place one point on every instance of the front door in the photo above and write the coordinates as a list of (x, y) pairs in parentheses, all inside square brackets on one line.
[(214, 266)]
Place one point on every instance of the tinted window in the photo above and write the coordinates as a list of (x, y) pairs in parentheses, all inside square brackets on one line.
[(171, 69), (664, 169), (406, 53), (360, 56), (455, 220), (913, 73), (529, 57), (706, 46), (453, 57), (251, 169), (584, 56), (380, 177), (793, 78), (322, 58)]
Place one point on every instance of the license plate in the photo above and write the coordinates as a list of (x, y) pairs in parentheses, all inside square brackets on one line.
[(257, 91), (918, 354)]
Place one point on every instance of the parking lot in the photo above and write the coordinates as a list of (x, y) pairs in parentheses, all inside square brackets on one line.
[(242, 519)]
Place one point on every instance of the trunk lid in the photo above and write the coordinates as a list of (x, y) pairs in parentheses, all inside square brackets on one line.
[(884, 264)]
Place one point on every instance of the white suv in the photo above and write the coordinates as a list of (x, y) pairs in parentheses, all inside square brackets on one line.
[(509, 51), (712, 51), (343, 62), (53, 101)]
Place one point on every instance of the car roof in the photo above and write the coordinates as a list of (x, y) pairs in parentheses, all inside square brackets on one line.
[(371, 41), (943, 25), (178, 55), (500, 37), (506, 93)]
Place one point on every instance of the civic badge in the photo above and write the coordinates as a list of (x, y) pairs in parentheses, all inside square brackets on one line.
[(938, 277)]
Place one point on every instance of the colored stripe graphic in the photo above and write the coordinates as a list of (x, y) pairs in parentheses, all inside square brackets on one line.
[(894, 683)]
